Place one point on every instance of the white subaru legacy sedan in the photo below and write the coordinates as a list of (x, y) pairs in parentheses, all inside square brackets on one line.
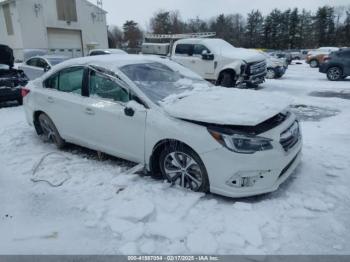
[(157, 113)]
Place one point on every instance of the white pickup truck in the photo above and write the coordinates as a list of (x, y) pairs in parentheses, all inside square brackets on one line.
[(218, 61)]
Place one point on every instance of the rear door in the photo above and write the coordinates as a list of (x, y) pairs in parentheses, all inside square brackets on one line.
[(62, 100)]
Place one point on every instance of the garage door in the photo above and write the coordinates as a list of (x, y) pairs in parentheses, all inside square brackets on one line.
[(64, 42)]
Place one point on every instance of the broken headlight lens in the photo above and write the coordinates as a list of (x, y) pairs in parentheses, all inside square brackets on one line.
[(241, 143)]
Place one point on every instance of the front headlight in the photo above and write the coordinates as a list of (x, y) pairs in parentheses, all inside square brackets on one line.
[(241, 143)]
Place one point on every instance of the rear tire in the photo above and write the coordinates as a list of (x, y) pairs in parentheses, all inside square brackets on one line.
[(334, 73), (182, 166), (313, 63), (49, 131), (227, 79)]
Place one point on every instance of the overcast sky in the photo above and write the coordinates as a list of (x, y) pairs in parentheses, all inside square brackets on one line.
[(141, 10)]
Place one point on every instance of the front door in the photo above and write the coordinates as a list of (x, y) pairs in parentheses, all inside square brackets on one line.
[(190, 56), (106, 125)]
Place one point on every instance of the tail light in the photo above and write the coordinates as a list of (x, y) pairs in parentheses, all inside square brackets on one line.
[(24, 92), (326, 58)]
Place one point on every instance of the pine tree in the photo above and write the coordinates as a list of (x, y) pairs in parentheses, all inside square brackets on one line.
[(294, 33), (254, 29), (306, 29), (132, 34), (161, 23)]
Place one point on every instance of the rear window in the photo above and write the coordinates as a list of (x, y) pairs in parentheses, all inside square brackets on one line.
[(184, 49)]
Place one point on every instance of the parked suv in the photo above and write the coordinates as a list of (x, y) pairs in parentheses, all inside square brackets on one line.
[(316, 57), (337, 65)]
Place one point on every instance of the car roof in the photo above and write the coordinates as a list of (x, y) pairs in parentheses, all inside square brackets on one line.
[(111, 50), (51, 56), (110, 62)]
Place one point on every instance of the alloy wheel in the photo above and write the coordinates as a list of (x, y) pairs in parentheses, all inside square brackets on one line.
[(334, 73), (48, 131), (183, 170)]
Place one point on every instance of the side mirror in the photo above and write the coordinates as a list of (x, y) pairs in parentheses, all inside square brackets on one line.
[(132, 106), (128, 111), (47, 68), (207, 56)]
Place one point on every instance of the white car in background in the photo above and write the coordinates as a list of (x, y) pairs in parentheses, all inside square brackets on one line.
[(110, 51), (157, 113), (36, 66)]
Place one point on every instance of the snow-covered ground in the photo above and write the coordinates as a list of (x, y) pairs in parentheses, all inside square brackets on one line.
[(89, 206)]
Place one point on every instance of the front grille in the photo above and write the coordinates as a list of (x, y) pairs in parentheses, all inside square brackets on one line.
[(290, 137), (256, 68)]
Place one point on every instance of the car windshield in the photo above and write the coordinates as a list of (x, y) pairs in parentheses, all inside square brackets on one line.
[(159, 81), (56, 60)]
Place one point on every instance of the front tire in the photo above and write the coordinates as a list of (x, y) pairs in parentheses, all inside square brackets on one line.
[(334, 73), (49, 131), (227, 79), (182, 166), (270, 74)]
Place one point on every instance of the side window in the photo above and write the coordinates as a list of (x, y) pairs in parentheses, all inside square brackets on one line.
[(198, 49), (41, 63), (71, 80), (51, 82), (104, 87), (32, 62), (346, 54), (93, 53), (184, 49)]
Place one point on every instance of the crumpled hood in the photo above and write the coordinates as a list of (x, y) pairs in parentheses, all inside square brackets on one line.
[(247, 55), (6, 56), (224, 106)]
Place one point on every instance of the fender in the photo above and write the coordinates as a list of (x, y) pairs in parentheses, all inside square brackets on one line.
[(235, 66)]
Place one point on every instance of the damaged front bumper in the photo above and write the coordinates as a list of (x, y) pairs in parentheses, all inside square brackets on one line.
[(242, 175)]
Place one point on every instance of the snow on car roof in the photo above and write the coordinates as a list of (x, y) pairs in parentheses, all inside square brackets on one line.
[(110, 62)]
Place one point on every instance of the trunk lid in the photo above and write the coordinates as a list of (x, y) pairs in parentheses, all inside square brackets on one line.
[(6, 56)]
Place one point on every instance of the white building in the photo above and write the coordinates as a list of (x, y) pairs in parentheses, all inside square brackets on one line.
[(69, 27)]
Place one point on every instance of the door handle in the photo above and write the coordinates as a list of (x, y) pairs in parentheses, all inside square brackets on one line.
[(89, 111), (50, 99)]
